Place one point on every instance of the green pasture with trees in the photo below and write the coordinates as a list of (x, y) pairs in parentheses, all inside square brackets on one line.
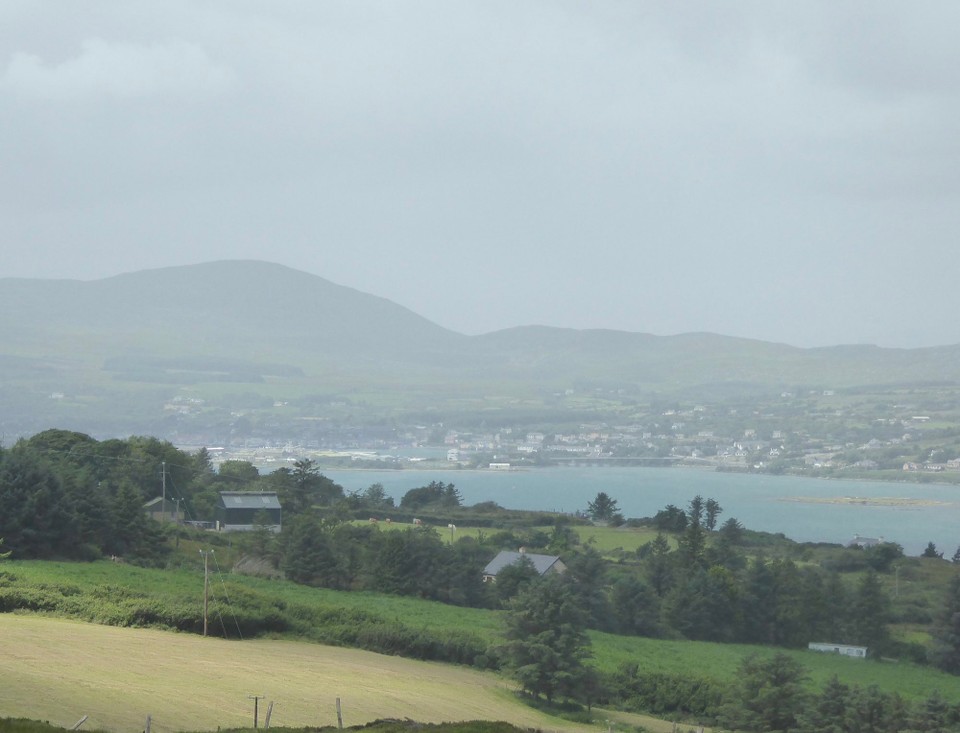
[(599, 633)]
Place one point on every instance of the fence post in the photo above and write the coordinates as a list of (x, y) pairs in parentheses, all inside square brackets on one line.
[(266, 720)]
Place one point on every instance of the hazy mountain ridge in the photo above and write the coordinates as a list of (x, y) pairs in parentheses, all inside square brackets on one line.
[(251, 322), (258, 311), (232, 306)]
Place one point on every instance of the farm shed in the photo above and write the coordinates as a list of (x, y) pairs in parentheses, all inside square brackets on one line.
[(243, 510), (543, 564), (846, 650), (164, 510)]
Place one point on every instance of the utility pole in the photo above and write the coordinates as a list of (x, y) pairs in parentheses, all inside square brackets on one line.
[(206, 586), (176, 521), (163, 483)]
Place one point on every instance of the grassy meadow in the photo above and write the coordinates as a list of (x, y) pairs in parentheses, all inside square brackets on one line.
[(121, 595), (59, 670), (609, 541)]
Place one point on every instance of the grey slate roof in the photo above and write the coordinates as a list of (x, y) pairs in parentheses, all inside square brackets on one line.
[(249, 500), (541, 563)]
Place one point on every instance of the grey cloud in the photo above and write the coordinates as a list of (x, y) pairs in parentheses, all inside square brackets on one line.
[(118, 69), (781, 171)]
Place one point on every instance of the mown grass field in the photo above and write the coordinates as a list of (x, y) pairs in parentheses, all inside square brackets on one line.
[(103, 592), (59, 670)]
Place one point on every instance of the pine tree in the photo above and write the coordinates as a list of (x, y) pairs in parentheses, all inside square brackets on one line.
[(37, 518), (769, 695), (827, 713), (547, 642), (602, 508), (946, 634), (870, 711), (132, 533), (932, 715), (695, 513), (692, 547), (309, 555), (513, 578), (659, 565), (713, 512), (635, 606), (869, 611)]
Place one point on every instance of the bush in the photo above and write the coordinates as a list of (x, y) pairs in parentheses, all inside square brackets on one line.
[(660, 693)]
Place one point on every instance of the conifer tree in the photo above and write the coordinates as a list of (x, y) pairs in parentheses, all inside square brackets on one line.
[(827, 713), (769, 695), (868, 615), (659, 565), (713, 509), (603, 508), (547, 642), (945, 653)]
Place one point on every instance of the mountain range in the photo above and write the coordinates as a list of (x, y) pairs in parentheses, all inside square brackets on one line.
[(110, 355)]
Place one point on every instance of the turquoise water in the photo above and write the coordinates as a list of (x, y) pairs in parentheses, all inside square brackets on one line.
[(759, 502)]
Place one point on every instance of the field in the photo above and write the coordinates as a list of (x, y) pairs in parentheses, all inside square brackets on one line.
[(59, 670), (720, 661), (607, 540), (116, 594), (118, 676)]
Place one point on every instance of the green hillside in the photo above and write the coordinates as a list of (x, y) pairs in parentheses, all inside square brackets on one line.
[(107, 593), (110, 356)]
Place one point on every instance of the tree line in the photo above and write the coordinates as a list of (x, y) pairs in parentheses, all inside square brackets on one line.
[(66, 495), (547, 652)]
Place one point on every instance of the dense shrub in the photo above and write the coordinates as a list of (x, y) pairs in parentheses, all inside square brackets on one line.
[(661, 693)]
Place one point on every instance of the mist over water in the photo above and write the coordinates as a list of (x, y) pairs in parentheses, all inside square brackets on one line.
[(766, 503)]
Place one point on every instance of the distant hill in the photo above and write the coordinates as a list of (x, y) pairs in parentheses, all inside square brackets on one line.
[(73, 351), (222, 308)]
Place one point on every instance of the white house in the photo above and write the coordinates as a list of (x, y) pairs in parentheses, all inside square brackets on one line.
[(846, 650)]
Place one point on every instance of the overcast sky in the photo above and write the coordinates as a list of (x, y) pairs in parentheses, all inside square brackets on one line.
[(782, 171)]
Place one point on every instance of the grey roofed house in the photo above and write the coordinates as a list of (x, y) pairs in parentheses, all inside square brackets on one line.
[(243, 510), (543, 564), (164, 510)]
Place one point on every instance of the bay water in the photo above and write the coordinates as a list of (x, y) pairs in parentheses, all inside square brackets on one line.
[(803, 509)]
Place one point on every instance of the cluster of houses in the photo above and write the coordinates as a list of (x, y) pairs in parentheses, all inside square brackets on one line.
[(703, 434)]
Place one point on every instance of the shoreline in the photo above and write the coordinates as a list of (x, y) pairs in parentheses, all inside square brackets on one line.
[(901, 501), (716, 468)]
